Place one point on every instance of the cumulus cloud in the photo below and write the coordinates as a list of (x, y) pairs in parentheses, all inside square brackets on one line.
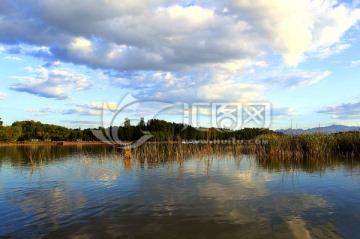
[(164, 34), (231, 81), (344, 111), (51, 83), (214, 82), (297, 27), (172, 50), (167, 86)]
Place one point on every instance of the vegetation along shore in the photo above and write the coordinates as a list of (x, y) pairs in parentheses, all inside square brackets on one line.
[(274, 144)]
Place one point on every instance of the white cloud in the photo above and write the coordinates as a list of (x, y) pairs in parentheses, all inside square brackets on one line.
[(344, 111), (294, 27), (81, 44), (44, 111), (167, 35), (208, 50), (51, 83), (230, 90), (82, 122), (82, 111), (100, 105), (12, 58), (296, 77), (3, 96), (285, 111), (355, 63), (91, 109), (224, 82), (194, 15), (326, 51), (235, 66)]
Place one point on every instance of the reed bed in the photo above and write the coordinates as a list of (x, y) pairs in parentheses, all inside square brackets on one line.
[(314, 145), (156, 153), (274, 147), (290, 148)]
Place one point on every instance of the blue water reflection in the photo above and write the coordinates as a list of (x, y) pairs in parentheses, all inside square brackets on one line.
[(85, 193)]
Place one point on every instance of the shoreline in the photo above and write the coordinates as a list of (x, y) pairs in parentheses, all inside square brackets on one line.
[(70, 143), (55, 143)]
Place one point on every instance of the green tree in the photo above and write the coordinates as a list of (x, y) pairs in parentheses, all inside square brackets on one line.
[(127, 122), (9, 134), (141, 124)]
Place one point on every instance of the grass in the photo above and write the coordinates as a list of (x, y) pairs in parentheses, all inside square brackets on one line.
[(313, 145), (156, 153)]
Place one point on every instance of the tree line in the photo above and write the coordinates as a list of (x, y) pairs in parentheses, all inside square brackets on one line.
[(159, 129)]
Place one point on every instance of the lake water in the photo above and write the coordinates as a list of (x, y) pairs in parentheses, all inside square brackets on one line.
[(93, 192)]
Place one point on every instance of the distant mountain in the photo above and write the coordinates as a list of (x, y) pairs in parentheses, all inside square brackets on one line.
[(327, 129)]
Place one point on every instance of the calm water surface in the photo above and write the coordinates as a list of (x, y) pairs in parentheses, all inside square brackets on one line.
[(90, 192)]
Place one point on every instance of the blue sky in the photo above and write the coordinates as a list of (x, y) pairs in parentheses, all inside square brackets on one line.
[(59, 60)]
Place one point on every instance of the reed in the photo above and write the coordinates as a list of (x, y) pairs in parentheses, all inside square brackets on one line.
[(162, 152), (314, 145), (37, 155), (127, 154), (274, 147), (30, 156)]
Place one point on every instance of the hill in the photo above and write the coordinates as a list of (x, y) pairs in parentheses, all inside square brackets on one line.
[(326, 129)]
